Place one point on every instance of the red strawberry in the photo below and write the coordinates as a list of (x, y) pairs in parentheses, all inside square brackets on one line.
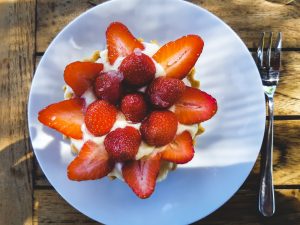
[(100, 117), (195, 106), (65, 116), (91, 163), (134, 107), (180, 150), (123, 143), (138, 69), (80, 75), (163, 92), (120, 42), (108, 86), (141, 175), (159, 128), (178, 57)]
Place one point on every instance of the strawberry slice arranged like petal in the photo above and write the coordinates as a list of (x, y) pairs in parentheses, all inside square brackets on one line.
[(195, 106), (141, 175), (66, 117), (180, 150), (91, 163), (120, 41), (178, 57), (80, 75)]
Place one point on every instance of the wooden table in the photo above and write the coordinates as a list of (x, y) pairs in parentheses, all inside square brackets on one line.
[(26, 29)]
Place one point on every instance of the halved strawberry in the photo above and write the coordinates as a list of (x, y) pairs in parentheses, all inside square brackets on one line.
[(80, 75), (91, 163), (65, 116), (178, 57), (120, 41), (180, 150), (195, 106), (141, 175)]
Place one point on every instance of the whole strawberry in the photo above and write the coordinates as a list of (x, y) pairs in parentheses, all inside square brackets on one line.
[(100, 117), (159, 128), (163, 92), (138, 69), (108, 86), (123, 143), (134, 107)]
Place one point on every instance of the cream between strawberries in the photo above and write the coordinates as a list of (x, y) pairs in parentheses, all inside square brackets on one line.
[(121, 122)]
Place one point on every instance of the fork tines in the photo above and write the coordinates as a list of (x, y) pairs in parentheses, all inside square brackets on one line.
[(264, 60)]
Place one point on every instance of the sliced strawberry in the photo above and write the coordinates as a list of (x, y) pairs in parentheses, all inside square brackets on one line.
[(195, 106), (100, 117), (120, 42), (65, 116), (159, 128), (141, 175), (180, 150), (178, 57), (91, 163), (80, 75)]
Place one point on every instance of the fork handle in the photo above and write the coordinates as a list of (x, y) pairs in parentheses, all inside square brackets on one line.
[(266, 192)]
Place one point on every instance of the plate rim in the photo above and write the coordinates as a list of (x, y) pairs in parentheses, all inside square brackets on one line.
[(74, 20)]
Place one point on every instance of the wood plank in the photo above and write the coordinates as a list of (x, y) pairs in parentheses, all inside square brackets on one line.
[(247, 17), (17, 32), (287, 97), (286, 158), (250, 17), (50, 208), (54, 15)]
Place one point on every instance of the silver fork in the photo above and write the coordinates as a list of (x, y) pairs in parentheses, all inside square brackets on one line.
[(269, 68)]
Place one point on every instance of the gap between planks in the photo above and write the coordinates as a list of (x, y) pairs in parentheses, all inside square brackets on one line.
[(241, 209)]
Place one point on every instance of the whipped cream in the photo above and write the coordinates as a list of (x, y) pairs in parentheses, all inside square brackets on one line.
[(121, 122)]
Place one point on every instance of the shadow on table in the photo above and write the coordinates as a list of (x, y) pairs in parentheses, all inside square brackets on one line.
[(16, 183), (243, 209)]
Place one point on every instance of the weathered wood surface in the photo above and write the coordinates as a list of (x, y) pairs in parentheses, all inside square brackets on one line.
[(22, 38), (247, 17), (50, 208), (17, 27)]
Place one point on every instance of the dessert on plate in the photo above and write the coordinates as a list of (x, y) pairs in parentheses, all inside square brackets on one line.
[(133, 110)]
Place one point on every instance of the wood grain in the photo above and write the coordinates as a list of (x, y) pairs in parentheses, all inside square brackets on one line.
[(250, 17), (55, 15), (17, 27), (287, 96), (50, 208), (247, 17)]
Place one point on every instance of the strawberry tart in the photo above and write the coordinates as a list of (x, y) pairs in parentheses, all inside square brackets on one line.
[(133, 110)]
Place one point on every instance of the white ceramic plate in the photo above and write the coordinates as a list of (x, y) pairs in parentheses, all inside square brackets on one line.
[(225, 153)]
